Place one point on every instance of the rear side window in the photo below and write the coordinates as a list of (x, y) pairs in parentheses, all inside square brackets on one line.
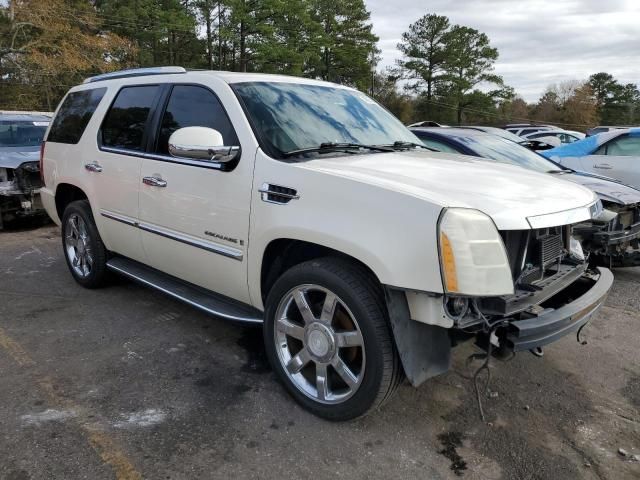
[(526, 131), (191, 106), (623, 146), (74, 115), (125, 123), (437, 145)]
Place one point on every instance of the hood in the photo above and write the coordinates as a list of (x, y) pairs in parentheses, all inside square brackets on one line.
[(607, 189), (13, 157), (508, 194)]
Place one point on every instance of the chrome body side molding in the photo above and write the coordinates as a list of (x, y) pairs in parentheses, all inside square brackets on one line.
[(194, 242), (213, 247), (119, 218)]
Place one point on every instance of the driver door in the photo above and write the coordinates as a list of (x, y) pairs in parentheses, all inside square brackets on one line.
[(194, 214)]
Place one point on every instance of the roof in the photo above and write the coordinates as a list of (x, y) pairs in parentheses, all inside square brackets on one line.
[(228, 77), (452, 131), (14, 116), (559, 130)]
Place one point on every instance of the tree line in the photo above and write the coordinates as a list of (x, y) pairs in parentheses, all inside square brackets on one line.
[(46, 46), (446, 73)]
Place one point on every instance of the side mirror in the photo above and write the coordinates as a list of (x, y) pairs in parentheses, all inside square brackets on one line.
[(201, 143)]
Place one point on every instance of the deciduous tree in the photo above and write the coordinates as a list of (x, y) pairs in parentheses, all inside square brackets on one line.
[(52, 45)]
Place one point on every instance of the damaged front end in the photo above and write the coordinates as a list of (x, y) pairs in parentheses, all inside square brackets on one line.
[(614, 241), (553, 292), (556, 292), (19, 192)]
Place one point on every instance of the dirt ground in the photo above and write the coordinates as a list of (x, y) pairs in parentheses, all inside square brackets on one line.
[(126, 383)]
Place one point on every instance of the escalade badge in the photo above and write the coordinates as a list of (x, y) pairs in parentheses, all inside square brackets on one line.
[(224, 237)]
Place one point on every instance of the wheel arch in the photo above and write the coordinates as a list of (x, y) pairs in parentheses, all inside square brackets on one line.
[(283, 253), (65, 194)]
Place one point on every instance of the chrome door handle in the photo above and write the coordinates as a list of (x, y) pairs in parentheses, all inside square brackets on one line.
[(154, 181), (93, 167), (603, 166)]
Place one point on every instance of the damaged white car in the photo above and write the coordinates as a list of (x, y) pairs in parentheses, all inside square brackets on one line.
[(307, 208), (21, 135)]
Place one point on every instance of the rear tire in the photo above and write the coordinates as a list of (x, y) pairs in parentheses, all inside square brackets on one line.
[(84, 251), (337, 357)]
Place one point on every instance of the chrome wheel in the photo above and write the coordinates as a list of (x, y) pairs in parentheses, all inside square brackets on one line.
[(77, 245), (319, 344)]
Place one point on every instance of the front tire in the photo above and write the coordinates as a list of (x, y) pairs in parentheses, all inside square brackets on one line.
[(328, 338), (84, 251)]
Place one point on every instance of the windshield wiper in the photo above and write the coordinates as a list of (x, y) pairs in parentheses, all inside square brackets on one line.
[(336, 147), (399, 145), (564, 170)]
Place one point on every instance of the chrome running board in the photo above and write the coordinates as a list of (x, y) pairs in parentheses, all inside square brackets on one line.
[(209, 302)]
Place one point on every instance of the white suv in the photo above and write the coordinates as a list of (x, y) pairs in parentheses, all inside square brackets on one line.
[(306, 206)]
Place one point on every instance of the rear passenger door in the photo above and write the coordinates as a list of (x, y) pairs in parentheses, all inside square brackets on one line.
[(116, 172), (194, 214), (618, 158)]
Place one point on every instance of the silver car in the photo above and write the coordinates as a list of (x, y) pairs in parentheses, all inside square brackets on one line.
[(21, 135)]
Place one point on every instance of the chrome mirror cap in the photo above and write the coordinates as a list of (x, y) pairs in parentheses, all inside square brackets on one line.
[(201, 143)]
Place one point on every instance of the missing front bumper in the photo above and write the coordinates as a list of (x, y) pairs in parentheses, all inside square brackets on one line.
[(553, 324)]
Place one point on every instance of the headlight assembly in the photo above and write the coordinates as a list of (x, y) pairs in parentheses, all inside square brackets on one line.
[(473, 258)]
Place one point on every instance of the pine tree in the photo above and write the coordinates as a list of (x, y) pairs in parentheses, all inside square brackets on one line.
[(347, 43)]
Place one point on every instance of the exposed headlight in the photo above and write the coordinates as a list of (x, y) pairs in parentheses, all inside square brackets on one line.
[(472, 255)]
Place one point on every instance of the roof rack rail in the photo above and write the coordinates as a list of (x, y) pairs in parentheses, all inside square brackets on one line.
[(135, 72)]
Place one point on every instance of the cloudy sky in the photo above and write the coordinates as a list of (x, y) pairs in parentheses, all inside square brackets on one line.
[(540, 41)]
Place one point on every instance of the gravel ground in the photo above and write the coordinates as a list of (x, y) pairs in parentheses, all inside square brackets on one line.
[(126, 383)]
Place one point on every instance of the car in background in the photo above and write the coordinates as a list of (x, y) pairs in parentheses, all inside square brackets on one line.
[(602, 129), (612, 243), (426, 123), (501, 132), (535, 145), (522, 129), (21, 135), (614, 154), (562, 136)]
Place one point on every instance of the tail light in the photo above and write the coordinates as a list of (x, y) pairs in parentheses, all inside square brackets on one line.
[(42, 163)]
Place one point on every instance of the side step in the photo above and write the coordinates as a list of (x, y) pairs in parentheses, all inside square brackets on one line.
[(209, 302)]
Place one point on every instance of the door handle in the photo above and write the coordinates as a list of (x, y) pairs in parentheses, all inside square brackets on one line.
[(154, 181), (603, 166), (93, 167)]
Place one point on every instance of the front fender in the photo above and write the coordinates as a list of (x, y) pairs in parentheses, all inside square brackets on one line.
[(392, 233)]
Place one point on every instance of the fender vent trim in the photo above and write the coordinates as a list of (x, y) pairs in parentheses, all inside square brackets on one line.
[(279, 194)]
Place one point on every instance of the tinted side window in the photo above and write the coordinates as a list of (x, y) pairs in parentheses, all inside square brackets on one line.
[(624, 147), (126, 120), (192, 106), (74, 115), (437, 145)]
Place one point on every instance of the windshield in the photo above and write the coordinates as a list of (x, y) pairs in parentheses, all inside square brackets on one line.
[(505, 151), (21, 133), (504, 134), (288, 117)]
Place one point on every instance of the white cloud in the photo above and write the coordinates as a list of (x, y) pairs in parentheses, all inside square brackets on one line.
[(540, 41)]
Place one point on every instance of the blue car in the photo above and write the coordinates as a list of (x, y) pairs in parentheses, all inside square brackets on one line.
[(614, 243), (615, 153), (21, 135)]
